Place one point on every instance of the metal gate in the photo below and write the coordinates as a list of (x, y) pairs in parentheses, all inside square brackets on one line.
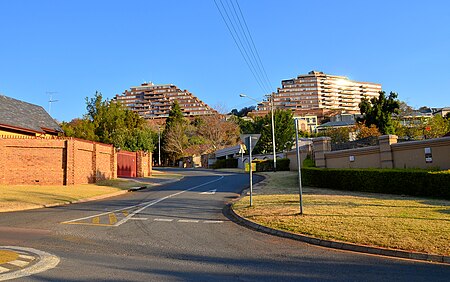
[(126, 164)]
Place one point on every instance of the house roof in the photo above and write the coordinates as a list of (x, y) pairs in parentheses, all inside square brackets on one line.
[(337, 124), (21, 115)]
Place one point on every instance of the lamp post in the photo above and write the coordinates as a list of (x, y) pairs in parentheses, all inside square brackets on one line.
[(272, 123), (159, 146)]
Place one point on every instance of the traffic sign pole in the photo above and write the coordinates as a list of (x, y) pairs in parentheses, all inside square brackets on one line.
[(251, 172)]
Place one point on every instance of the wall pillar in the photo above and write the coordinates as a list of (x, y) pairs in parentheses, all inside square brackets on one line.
[(113, 163), (386, 157), (2, 163), (321, 146), (69, 172)]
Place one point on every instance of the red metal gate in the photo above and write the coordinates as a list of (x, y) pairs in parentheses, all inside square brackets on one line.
[(126, 164)]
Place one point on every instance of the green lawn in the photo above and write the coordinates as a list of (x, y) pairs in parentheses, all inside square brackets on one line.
[(406, 223)]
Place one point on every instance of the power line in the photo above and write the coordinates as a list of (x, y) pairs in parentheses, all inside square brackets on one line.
[(239, 35)]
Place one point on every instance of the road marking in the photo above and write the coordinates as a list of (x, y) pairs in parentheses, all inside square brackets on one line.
[(125, 213), (210, 192), (44, 261), (188, 220), (213, 221), (3, 269), (163, 219), (112, 218), (19, 263), (96, 220), (139, 218), (142, 206), (26, 257)]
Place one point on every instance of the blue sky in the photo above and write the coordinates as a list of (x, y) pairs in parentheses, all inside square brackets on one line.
[(78, 47)]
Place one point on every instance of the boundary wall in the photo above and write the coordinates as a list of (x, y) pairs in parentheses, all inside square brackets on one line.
[(60, 161), (424, 154)]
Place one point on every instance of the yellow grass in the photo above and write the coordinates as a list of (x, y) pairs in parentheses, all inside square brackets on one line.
[(406, 223), (7, 256), (20, 197)]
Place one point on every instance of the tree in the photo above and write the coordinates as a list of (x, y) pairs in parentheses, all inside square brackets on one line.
[(378, 111), (284, 131), (174, 138), (437, 126), (111, 123), (218, 132), (242, 112), (364, 132)]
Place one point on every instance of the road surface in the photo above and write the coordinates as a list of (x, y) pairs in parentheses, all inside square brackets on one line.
[(178, 232)]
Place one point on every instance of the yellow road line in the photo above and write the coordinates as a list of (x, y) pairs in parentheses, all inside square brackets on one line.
[(96, 220), (86, 223), (112, 219)]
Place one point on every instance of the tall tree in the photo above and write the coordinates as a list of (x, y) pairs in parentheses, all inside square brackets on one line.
[(174, 138), (378, 111), (110, 122)]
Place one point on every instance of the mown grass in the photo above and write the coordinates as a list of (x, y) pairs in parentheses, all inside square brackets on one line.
[(21, 197), (407, 223)]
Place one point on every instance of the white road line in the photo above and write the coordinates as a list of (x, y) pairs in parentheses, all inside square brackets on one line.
[(163, 219), (26, 257), (213, 221), (210, 192), (139, 218), (3, 269), (145, 205), (188, 220), (19, 263)]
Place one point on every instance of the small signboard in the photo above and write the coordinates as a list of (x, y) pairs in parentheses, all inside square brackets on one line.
[(428, 156), (247, 169), (246, 139)]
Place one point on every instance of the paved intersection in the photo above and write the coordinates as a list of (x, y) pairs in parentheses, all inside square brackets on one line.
[(179, 232)]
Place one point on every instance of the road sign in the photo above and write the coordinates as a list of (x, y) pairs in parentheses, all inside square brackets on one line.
[(246, 139), (247, 167), (242, 149)]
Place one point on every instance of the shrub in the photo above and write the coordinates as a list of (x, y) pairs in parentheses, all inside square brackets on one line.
[(267, 165), (389, 181), (226, 163)]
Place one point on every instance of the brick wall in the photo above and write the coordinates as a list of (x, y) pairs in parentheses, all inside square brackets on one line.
[(55, 161)]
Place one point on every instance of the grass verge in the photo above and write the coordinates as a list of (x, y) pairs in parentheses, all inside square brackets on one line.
[(406, 223), (21, 197)]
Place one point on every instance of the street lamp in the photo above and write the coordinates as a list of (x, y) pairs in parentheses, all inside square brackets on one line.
[(270, 96)]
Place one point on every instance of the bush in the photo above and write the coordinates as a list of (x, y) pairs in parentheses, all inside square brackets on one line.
[(390, 181), (267, 165), (226, 163)]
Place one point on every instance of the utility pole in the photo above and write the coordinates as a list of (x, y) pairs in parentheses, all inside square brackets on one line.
[(273, 135)]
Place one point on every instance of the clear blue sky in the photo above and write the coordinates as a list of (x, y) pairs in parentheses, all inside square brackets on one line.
[(78, 47)]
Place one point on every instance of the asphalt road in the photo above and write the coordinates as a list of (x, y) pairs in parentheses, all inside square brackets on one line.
[(178, 232)]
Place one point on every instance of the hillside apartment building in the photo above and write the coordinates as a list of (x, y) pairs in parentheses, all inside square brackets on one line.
[(153, 101), (319, 94)]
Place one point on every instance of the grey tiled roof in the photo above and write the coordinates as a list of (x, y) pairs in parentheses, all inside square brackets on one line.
[(24, 115)]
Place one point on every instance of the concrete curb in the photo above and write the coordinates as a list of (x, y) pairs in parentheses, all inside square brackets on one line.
[(339, 245)]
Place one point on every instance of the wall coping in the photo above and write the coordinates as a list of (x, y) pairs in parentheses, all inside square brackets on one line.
[(421, 143), (356, 151)]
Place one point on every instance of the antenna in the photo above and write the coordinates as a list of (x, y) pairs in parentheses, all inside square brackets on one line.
[(50, 100)]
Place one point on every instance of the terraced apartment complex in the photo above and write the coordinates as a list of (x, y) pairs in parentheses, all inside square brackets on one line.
[(153, 101), (319, 94)]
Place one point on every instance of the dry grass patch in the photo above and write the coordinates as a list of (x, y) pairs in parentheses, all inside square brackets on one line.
[(406, 223), (20, 197)]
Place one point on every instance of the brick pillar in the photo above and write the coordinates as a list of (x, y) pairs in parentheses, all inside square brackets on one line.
[(386, 157), (321, 145), (113, 163), (70, 162), (150, 163), (94, 162), (140, 164), (2, 162)]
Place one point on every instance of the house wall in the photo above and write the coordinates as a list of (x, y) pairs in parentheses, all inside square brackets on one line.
[(389, 154), (55, 161)]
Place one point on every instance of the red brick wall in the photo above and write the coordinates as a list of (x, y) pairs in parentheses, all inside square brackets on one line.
[(55, 161), (144, 164)]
